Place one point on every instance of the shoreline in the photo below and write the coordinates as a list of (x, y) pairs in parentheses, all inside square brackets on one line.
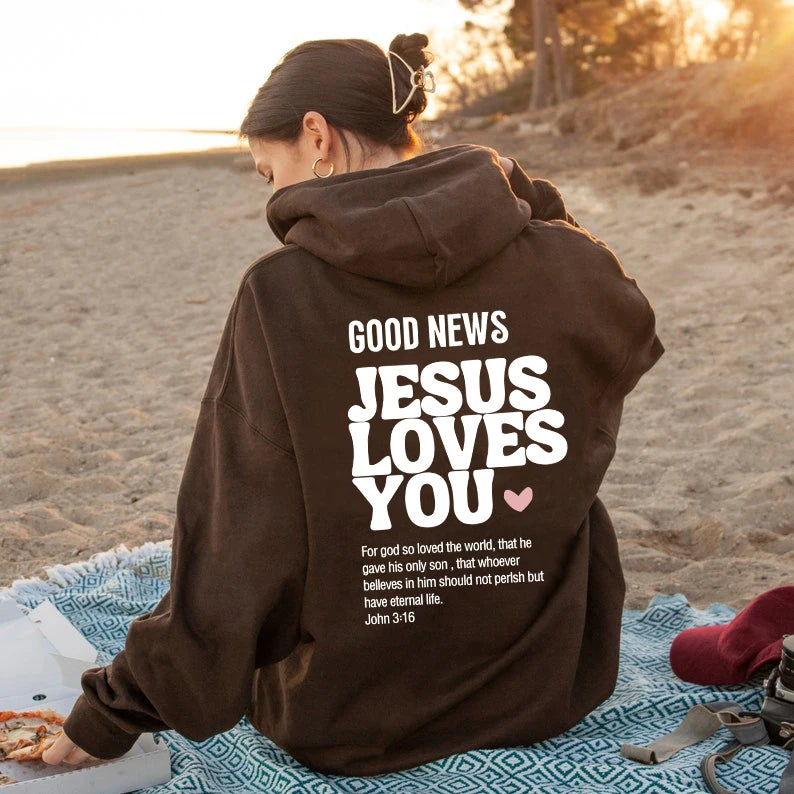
[(48, 170), (550, 157)]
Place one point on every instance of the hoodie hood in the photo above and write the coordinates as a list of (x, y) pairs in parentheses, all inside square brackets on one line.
[(423, 222)]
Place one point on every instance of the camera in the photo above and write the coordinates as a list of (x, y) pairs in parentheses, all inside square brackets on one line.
[(777, 710)]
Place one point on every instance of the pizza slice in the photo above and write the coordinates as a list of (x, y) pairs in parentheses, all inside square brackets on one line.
[(25, 735)]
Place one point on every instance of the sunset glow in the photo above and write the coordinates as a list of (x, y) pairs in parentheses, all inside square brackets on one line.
[(713, 11), (90, 63), (86, 77)]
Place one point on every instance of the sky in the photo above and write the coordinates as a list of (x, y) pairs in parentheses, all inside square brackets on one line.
[(174, 63)]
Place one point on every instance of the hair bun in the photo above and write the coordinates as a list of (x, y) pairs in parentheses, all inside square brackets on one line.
[(412, 49)]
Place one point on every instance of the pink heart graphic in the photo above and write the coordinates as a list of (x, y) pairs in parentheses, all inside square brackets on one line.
[(518, 501)]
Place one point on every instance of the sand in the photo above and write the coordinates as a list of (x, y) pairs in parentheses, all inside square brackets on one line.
[(116, 278)]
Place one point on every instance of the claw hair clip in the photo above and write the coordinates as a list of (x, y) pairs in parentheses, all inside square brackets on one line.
[(420, 78)]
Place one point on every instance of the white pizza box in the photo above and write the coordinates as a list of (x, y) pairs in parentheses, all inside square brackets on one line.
[(42, 656)]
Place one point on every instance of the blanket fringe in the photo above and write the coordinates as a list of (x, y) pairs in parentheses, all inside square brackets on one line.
[(63, 575)]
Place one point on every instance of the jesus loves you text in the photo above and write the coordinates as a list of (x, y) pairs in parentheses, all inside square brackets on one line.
[(431, 402)]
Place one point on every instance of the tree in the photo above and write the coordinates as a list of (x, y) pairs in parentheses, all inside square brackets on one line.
[(761, 18), (562, 73), (554, 33), (541, 84)]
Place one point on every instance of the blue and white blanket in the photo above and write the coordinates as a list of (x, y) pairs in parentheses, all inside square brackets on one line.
[(102, 596)]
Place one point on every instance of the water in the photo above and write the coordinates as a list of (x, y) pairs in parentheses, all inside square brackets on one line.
[(24, 145)]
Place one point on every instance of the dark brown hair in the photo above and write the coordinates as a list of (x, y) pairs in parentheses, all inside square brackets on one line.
[(348, 82)]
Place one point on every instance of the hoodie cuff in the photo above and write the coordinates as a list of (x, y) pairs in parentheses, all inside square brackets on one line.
[(94, 733)]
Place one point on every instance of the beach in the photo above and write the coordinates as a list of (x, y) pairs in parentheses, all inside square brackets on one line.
[(117, 276)]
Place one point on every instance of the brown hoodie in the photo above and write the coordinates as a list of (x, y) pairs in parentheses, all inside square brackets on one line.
[(388, 545)]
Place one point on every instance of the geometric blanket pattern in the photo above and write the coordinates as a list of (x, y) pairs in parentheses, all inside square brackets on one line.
[(102, 596)]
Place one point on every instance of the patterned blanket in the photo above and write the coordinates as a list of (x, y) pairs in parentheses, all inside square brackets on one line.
[(102, 596)]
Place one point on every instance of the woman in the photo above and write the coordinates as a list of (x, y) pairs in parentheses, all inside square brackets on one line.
[(388, 545)]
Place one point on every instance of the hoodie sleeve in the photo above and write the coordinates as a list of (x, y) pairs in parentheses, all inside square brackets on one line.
[(627, 326), (542, 196), (645, 349), (239, 556)]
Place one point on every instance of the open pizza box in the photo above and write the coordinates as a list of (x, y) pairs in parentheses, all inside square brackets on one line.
[(42, 657)]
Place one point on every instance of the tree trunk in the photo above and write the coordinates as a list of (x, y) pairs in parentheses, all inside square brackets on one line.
[(749, 32), (540, 76), (561, 76)]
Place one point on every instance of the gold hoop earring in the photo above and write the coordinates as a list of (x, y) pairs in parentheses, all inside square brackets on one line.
[(314, 168)]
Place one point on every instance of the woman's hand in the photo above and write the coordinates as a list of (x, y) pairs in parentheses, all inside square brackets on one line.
[(507, 165), (64, 751)]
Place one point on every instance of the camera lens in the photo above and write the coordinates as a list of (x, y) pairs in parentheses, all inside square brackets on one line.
[(787, 663)]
